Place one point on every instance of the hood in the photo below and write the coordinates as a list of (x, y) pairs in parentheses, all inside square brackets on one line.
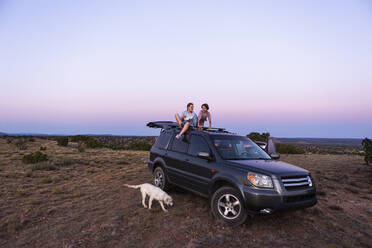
[(275, 167)]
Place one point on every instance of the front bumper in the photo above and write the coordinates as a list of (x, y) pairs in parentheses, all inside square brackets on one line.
[(258, 199)]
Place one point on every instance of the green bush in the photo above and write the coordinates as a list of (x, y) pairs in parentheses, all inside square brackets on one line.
[(92, 143), (78, 138), (34, 158), (89, 142), (140, 146), (43, 166), (43, 148), (367, 147), (259, 137), (21, 143), (80, 146), (289, 149), (62, 141)]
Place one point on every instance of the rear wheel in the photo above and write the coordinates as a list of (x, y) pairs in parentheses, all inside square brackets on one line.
[(228, 204), (160, 179)]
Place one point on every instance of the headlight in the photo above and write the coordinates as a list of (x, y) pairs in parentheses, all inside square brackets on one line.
[(309, 181), (260, 180)]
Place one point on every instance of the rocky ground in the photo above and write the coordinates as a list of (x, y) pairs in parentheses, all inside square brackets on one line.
[(77, 199)]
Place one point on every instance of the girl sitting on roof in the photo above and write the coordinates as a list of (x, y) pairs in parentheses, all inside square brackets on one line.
[(203, 115)]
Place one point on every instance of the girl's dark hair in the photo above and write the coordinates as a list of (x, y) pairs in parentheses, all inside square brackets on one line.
[(189, 104), (206, 106)]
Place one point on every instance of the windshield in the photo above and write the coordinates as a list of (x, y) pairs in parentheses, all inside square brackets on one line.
[(238, 148)]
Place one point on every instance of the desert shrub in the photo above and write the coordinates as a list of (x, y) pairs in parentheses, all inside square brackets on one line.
[(80, 146), (34, 202), (44, 166), (64, 162), (9, 140), (13, 223), (140, 146), (87, 141), (34, 158), (92, 143), (31, 139), (58, 190), (78, 138), (42, 148), (367, 147), (62, 141), (259, 137), (289, 149), (21, 192), (46, 180), (20, 143)]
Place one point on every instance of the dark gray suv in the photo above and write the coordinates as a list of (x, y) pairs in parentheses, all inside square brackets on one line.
[(235, 173)]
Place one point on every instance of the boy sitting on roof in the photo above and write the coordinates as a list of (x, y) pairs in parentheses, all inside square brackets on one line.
[(188, 118)]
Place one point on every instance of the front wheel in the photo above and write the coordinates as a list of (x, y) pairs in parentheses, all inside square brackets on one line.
[(228, 204), (160, 180)]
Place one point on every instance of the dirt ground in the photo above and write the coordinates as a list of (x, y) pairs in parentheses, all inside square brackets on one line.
[(81, 202)]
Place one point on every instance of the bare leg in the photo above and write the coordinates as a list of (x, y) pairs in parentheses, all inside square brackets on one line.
[(143, 199), (162, 206), (150, 202), (178, 119), (184, 129)]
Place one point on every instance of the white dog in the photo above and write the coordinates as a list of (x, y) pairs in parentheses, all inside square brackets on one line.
[(154, 193)]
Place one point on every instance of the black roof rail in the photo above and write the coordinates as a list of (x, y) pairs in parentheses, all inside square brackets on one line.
[(174, 125)]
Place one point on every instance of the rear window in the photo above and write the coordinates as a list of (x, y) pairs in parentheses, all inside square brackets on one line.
[(179, 145), (163, 140)]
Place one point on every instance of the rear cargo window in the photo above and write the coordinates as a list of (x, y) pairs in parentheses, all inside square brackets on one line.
[(179, 145), (163, 140)]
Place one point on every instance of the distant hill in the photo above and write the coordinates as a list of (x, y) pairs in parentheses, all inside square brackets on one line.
[(320, 141), (296, 141)]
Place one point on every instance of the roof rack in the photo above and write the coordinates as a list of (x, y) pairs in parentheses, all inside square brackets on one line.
[(215, 130), (174, 125), (162, 124)]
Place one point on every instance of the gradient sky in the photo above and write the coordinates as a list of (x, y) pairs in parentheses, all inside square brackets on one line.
[(292, 68)]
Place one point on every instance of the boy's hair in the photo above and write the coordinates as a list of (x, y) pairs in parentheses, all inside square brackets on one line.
[(189, 104), (205, 105)]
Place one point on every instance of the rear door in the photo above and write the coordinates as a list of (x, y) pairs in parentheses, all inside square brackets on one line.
[(199, 170), (176, 161)]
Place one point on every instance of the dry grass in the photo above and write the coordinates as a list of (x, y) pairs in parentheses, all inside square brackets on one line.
[(82, 203)]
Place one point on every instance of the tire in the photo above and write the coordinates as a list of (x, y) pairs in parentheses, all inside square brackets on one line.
[(160, 179), (228, 204)]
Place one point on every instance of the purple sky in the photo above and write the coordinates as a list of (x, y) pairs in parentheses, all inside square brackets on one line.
[(292, 68)]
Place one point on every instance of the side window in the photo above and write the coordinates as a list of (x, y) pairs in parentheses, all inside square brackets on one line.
[(179, 145), (198, 144), (163, 140)]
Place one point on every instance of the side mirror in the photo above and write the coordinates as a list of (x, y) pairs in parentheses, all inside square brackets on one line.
[(204, 155), (275, 155)]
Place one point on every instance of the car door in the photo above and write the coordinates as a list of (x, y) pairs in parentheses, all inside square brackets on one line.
[(199, 169), (176, 161)]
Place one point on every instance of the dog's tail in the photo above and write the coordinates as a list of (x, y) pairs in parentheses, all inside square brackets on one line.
[(133, 186)]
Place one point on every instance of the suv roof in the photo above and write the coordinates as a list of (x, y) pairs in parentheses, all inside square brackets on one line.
[(169, 125)]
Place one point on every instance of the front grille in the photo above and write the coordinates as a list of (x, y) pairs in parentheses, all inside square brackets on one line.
[(298, 198), (297, 182)]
